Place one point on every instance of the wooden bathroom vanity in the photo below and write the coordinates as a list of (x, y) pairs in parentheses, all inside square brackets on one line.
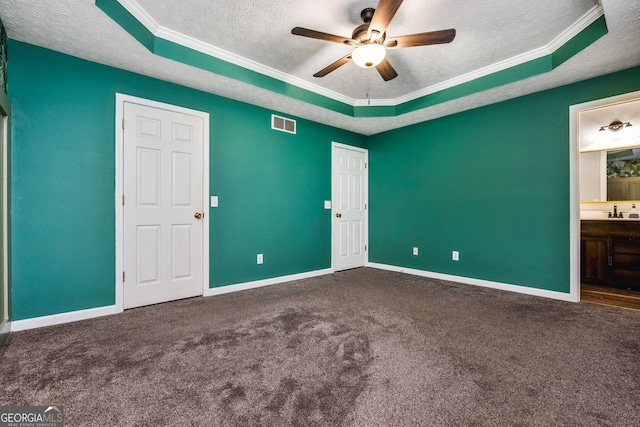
[(610, 253)]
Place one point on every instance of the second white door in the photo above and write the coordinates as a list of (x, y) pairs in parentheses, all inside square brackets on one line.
[(163, 205), (349, 201)]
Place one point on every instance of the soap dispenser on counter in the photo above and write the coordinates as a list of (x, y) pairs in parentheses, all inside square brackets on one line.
[(633, 213)]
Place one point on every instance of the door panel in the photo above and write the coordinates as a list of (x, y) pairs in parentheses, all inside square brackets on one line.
[(163, 240), (349, 213), (148, 243)]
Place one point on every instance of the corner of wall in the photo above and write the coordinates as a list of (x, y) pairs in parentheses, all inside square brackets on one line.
[(5, 328)]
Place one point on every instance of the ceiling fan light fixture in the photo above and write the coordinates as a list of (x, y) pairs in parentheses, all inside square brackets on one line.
[(368, 55)]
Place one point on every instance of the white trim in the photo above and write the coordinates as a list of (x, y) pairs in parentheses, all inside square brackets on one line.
[(5, 117), (120, 101), (477, 282), (582, 23), (574, 182), (57, 319), (225, 55), (365, 151), (284, 120), (183, 40), (141, 15), (265, 282), (476, 74)]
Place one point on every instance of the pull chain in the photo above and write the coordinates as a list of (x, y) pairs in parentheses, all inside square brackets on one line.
[(368, 89)]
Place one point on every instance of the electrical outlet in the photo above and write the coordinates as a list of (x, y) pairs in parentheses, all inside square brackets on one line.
[(455, 255), (260, 259), (415, 251)]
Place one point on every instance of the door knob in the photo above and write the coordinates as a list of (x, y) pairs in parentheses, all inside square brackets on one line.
[(338, 215), (198, 215)]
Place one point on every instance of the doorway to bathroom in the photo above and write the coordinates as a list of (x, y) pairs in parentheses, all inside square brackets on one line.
[(605, 197)]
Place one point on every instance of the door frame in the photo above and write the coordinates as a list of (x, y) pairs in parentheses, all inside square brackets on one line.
[(5, 128), (574, 184), (365, 151), (119, 191)]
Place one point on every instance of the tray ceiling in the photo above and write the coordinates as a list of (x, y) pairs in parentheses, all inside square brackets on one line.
[(272, 68)]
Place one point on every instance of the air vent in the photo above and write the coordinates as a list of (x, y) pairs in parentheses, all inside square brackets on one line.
[(283, 124)]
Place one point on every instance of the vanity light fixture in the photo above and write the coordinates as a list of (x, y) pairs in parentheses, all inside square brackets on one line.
[(615, 126)]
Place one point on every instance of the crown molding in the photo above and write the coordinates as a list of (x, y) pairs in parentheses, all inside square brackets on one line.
[(581, 24), (180, 39), (140, 14), (192, 43)]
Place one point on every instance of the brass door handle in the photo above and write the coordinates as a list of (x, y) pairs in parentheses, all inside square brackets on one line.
[(198, 215), (338, 215)]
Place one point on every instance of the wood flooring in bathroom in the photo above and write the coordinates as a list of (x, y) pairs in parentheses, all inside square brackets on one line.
[(610, 296)]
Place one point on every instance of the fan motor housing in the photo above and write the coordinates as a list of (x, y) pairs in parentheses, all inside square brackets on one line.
[(360, 33)]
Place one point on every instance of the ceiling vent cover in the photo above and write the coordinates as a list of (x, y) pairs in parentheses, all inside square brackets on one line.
[(283, 124)]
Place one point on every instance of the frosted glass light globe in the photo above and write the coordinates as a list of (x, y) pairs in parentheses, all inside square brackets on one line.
[(368, 55)]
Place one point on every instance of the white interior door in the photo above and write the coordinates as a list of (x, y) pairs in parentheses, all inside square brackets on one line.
[(163, 205), (349, 207)]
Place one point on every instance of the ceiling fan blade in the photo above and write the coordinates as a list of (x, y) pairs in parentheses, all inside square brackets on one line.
[(305, 32), (383, 15), (386, 70), (339, 63), (421, 39)]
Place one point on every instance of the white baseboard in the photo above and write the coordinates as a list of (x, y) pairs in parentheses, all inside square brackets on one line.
[(73, 316), (265, 282), (479, 282), (56, 319)]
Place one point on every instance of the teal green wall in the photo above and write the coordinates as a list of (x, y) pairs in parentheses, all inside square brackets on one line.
[(271, 184), (492, 183)]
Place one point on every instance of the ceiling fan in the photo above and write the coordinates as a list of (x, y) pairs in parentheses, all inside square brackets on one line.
[(371, 43)]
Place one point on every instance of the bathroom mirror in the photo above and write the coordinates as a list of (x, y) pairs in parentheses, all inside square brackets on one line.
[(610, 175), (609, 146)]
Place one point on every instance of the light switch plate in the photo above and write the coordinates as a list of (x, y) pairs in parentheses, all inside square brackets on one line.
[(214, 201), (260, 259), (327, 204), (455, 255)]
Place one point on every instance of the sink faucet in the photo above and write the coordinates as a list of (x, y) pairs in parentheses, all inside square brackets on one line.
[(615, 212)]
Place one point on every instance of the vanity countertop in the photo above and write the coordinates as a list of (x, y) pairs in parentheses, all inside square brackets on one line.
[(604, 216)]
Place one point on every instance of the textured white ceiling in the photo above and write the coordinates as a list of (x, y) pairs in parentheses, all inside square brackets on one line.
[(487, 32), (259, 30)]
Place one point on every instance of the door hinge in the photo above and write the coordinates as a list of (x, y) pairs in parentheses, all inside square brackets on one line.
[(123, 123), (365, 206), (123, 200), (123, 275), (365, 165), (365, 247)]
